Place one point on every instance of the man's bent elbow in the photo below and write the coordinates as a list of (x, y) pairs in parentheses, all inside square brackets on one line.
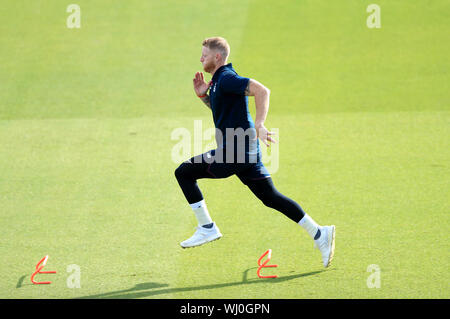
[(263, 91)]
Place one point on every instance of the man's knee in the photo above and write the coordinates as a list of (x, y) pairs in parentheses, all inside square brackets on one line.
[(182, 170), (269, 200), (266, 192)]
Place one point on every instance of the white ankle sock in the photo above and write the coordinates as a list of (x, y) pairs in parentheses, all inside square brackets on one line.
[(309, 225), (201, 213)]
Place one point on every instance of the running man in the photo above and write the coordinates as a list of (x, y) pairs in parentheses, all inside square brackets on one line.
[(238, 152)]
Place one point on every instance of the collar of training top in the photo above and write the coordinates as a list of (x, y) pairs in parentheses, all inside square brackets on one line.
[(219, 70)]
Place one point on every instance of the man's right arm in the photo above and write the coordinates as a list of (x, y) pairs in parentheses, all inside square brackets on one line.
[(201, 88), (206, 100)]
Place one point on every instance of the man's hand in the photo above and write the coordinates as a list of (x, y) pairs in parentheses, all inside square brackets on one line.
[(200, 86), (264, 134)]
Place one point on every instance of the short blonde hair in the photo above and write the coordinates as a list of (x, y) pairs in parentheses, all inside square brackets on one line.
[(219, 44)]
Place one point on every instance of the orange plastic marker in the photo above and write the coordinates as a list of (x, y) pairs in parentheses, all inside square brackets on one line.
[(39, 268), (264, 264)]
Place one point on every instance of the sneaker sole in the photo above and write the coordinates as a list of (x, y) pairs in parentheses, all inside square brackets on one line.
[(333, 233), (208, 241)]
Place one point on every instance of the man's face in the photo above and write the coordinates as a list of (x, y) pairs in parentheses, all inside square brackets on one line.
[(208, 59)]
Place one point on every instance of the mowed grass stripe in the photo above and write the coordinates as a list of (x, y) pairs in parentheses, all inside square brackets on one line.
[(95, 193)]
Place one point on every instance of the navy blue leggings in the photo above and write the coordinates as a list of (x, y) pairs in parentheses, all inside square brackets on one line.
[(188, 173)]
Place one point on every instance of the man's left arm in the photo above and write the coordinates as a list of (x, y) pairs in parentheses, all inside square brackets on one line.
[(262, 95)]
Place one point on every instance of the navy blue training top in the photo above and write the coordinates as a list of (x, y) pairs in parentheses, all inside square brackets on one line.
[(229, 106)]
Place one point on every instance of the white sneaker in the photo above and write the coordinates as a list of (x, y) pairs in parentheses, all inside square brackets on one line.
[(202, 236), (325, 244)]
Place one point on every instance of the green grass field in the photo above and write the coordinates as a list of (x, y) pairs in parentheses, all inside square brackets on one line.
[(86, 174)]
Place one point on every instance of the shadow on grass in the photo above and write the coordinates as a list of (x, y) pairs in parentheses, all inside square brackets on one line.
[(148, 289), (20, 282)]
